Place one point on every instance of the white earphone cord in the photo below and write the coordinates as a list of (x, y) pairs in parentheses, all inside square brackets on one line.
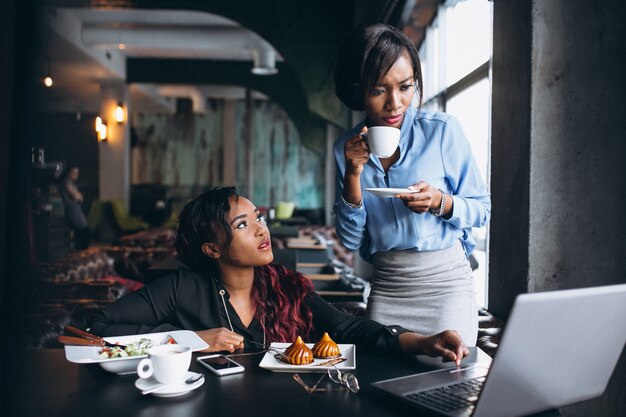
[(222, 292)]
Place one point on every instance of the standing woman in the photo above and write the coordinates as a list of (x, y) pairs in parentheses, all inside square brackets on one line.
[(418, 243)]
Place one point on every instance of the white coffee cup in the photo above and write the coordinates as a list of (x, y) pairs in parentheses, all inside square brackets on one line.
[(382, 140), (168, 364)]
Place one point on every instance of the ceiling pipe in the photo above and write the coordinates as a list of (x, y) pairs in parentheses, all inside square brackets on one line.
[(213, 39), (264, 62), (198, 102)]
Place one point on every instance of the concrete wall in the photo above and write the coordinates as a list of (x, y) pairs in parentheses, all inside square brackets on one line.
[(578, 164), (578, 146), (559, 156), (510, 153)]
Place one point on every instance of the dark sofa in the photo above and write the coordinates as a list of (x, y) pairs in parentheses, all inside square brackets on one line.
[(68, 290)]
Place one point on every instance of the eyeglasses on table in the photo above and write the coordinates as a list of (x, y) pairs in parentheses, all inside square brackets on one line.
[(347, 380)]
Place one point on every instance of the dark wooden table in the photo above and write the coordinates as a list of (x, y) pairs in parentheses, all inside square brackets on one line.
[(48, 385)]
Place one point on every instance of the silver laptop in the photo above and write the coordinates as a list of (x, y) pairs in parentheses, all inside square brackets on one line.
[(558, 348)]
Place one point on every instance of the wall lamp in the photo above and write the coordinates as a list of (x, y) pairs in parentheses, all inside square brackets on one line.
[(101, 129), (120, 113)]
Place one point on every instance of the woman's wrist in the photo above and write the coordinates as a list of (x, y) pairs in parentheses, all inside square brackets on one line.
[(444, 208), (439, 210), (411, 343), (352, 190), (353, 174)]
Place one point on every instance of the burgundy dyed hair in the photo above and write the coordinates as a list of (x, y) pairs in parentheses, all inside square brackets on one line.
[(279, 296), (278, 293)]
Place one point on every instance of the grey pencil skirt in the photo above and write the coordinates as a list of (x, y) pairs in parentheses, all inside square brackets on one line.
[(426, 292)]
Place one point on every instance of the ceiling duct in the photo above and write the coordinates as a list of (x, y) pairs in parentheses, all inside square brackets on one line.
[(184, 105), (198, 103), (264, 62), (220, 42)]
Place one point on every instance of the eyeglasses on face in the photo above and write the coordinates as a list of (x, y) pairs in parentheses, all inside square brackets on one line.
[(347, 380)]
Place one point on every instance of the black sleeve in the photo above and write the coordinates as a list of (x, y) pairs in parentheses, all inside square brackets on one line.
[(346, 328), (148, 310)]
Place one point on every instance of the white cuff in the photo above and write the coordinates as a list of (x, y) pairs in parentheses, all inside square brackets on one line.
[(354, 206)]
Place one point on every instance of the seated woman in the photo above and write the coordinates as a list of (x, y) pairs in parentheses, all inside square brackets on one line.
[(232, 296)]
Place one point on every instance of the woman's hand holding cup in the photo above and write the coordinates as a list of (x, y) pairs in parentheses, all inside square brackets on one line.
[(357, 153), (382, 140)]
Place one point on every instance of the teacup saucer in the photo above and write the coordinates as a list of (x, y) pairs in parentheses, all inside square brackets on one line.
[(171, 391), (391, 192)]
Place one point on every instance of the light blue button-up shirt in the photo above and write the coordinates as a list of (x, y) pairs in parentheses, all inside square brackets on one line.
[(433, 148)]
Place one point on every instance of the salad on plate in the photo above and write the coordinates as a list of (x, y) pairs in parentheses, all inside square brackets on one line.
[(140, 347), (123, 359)]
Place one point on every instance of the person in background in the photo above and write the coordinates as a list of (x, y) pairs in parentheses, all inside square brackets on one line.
[(232, 296), (418, 242), (73, 199)]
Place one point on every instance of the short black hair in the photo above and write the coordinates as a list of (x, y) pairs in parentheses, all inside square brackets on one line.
[(203, 220), (365, 56)]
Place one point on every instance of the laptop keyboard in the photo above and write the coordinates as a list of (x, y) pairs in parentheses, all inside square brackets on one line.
[(451, 397)]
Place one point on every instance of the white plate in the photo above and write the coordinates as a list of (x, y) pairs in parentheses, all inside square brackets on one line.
[(128, 365), (390, 192), (172, 390), (271, 363)]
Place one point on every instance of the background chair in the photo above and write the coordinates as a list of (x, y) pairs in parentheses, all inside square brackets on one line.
[(95, 214), (126, 222), (284, 210)]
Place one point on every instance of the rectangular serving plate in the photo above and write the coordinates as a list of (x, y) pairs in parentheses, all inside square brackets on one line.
[(269, 362)]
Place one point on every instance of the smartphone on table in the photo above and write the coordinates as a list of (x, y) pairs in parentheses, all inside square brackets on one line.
[(220, 364)]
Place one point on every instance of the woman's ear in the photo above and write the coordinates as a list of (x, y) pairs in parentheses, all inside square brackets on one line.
[(211, 250)]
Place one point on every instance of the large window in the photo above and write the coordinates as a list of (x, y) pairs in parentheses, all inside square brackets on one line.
[(456, 55)]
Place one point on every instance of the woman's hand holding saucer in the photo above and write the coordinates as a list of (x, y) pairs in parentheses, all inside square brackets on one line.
[(428, 198)]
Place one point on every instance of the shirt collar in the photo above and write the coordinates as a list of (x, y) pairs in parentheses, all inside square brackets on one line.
[(405, 129)]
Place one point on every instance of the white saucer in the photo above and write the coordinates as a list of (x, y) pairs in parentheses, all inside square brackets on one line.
[(171, 391), (390, 192)]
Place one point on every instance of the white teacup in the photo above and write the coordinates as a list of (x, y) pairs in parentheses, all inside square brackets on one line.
[(383, 140), (168, 364)]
